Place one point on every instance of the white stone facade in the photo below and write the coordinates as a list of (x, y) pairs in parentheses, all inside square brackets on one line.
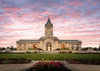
[(49, 42)]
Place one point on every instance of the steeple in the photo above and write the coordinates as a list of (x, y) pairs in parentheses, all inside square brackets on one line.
[(48, 28), (48, 22)]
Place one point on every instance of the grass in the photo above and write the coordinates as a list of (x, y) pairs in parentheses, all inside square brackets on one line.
[(34, 56)]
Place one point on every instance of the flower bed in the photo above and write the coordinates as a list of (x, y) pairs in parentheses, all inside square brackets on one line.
[(14, 61), (84, 62), (48, 66)]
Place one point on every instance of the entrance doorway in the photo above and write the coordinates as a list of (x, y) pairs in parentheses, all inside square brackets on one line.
[(48, 47)]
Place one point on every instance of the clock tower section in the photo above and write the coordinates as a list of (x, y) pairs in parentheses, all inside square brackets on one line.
[(48, 28)]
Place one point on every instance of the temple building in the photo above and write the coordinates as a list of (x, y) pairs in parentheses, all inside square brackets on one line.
[(48, 42)]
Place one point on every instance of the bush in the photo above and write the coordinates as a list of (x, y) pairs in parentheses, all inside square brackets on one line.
[(39, 49), (32, 49), (12, 48), (57, 49), (28, 52), (64, 48), (70, 51), (2, 48), (35, 52), (95, 49)]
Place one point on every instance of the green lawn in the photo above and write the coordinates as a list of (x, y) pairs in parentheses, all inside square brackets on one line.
[(34, 56)]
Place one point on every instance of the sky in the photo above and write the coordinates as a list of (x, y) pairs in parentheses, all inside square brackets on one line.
[(71, 19)]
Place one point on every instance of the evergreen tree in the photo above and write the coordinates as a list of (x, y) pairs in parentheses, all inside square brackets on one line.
[(95, 49), (99, 48)]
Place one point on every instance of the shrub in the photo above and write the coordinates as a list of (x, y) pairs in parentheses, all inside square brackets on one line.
[(64, 48), (57, 49), (28, 52), (2, 48), (35, 52), (32, 49), (39, 49), (70, 51)]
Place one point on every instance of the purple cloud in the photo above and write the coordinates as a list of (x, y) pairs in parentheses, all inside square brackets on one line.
[(80, 19)]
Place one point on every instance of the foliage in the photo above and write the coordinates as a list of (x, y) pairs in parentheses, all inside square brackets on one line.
[(12, 48), (35, 52), (95, 49), (64, 48), (99, 48), (70, 51), (28, 52), (34, 56), (85, 48), (2, 48), (57, 49), (39, 49), (32, 49)]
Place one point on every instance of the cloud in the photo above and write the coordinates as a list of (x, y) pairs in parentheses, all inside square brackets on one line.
[(73, 19), (76, 3)]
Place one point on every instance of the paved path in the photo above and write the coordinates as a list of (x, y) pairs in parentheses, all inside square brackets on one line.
[(73, 67), (85, 67), (15, 67)]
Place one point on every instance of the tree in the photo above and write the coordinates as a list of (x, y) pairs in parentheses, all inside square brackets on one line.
[(95, 49), (85, 48), (8, 47), (12, 48), (99, 48), (3, 48)]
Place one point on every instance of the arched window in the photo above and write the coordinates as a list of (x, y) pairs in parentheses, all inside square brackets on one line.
[(72, 48), (34, 46), (63, 46), (77, 48)]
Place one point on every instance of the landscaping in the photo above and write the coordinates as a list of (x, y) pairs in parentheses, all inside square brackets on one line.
[(14, 61), (72, 58), (48, 66)]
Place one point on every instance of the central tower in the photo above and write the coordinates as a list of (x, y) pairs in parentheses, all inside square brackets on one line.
[(48, 28)]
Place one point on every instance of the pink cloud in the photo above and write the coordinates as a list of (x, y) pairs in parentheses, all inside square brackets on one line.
[(95, 3), (86, 40), (74, 14), (76, 3), (14, 9), (2, 18), (68, 28)]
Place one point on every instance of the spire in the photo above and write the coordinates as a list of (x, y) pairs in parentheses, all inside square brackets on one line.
[(49, 22)]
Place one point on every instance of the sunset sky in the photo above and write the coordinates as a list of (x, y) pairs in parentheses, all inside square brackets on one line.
[(71, 19)]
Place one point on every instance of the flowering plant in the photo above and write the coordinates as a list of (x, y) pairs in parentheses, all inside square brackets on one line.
[(50, 66), (6, 58)]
